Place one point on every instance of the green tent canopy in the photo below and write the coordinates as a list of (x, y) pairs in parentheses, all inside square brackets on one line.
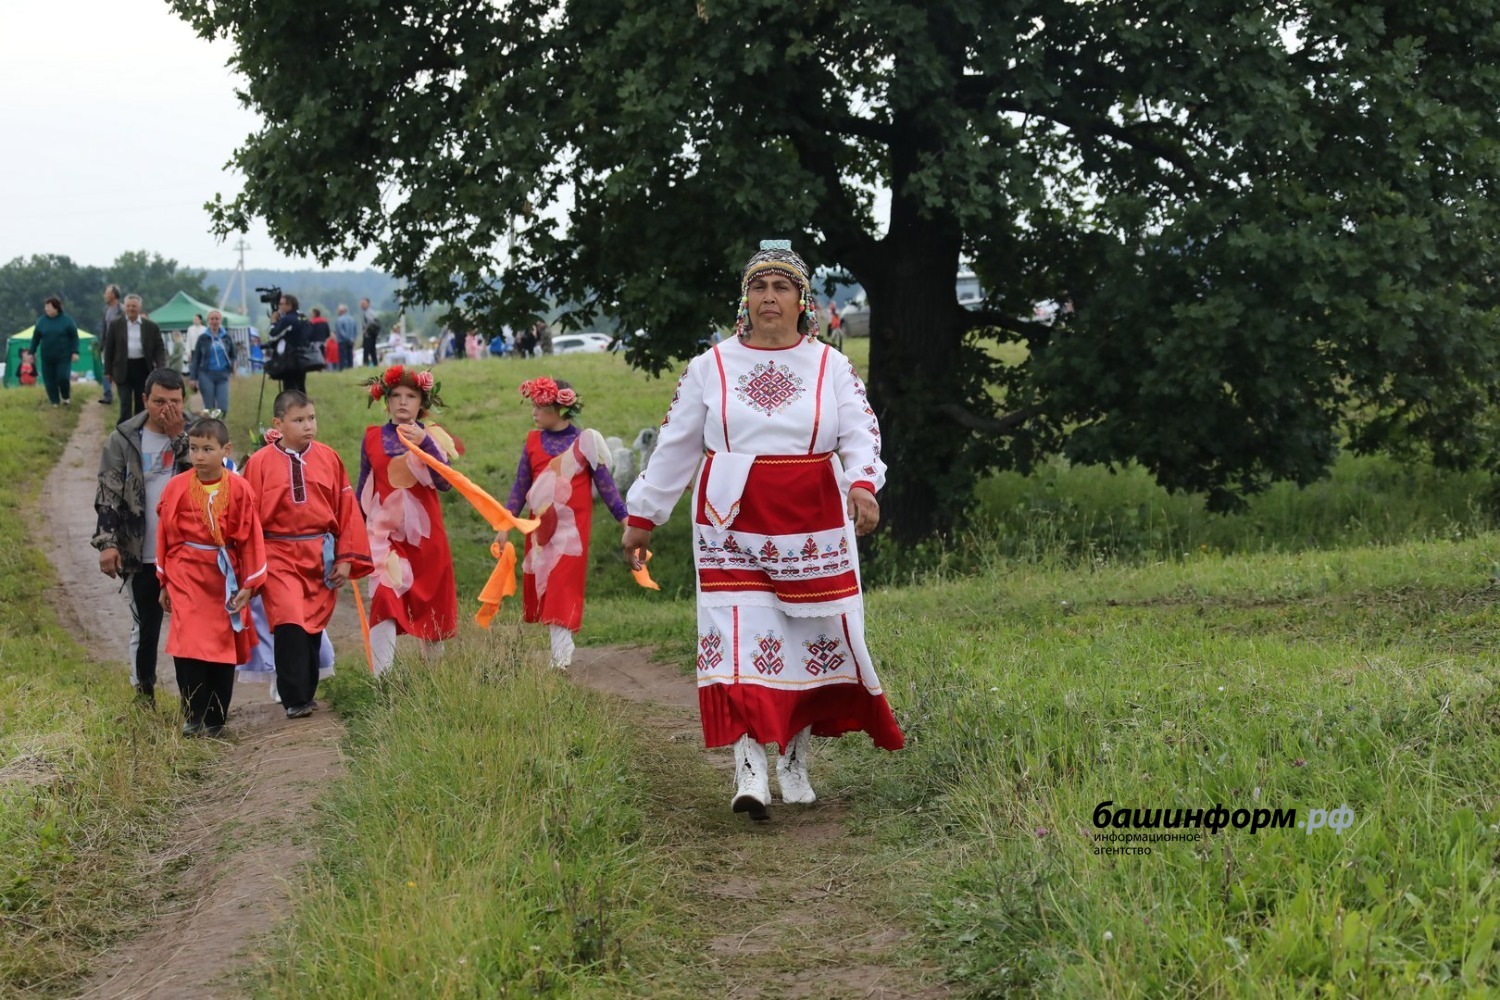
[(85, 364), (178, 314)]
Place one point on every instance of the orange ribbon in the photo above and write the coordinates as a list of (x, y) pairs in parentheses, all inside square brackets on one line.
[(643, 575), (364, 623), (500, 585), (502, 581)]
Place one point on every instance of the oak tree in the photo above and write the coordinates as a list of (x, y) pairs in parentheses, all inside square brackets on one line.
[(1274, 220)]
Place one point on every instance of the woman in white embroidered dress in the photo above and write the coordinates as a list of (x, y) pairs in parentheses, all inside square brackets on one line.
[(790, 476)]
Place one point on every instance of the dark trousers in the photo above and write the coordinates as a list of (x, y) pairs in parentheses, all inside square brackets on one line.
[(370, 357), (145, 607), (346, 354), (206, 690), (57, 376), (133, 390), (295, 379), (109, 391), (296, 664)]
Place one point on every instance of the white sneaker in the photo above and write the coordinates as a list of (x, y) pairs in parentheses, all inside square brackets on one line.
[(752, 791), (791, 770)]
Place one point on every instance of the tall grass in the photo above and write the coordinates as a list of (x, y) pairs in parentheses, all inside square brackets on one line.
[(1091, 638), (1281, 680), (86, 779), (487, 838)]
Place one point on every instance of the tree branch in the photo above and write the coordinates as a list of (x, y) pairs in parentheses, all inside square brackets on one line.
[(1007, 424), (981, 318), (978, 93), (813, 150)]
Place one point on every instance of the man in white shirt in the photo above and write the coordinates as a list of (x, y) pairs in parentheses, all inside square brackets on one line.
[(133, 349)]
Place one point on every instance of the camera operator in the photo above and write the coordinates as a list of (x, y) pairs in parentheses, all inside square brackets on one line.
[(290, 331)]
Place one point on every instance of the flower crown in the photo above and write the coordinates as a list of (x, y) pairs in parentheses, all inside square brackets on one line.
[(381, 385), (543, 391)]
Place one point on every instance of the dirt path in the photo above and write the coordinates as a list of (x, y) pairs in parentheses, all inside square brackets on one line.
[(788, 904), (236, 842)]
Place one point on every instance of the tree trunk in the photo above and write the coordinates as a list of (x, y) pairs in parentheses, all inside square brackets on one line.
[(915, 338)]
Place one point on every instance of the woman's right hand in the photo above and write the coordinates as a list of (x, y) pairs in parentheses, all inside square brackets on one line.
[(635, 542)]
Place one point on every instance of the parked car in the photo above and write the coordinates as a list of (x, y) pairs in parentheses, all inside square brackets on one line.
[(581, 343), (854, 318)]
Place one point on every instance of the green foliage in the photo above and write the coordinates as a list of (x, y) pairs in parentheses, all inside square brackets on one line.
[(1033, 694), (25, 282), (1273, 220), (486, 838)]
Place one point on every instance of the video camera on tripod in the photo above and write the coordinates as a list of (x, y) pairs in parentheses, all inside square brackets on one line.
[(270, 296)]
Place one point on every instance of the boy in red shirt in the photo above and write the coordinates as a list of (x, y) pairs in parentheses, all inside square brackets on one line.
[(315, 542), (210, 557)]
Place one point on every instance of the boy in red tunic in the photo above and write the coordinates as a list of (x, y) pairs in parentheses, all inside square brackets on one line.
[(209, 559), (315, 542), (412, 591), (559, 464)]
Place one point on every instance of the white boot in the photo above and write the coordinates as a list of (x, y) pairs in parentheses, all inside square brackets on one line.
[(382, 646), (791, 770), (562, 647), (752, 791)]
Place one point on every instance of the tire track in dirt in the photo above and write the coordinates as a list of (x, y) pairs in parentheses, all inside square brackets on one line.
[(787, 904), (236, 840)]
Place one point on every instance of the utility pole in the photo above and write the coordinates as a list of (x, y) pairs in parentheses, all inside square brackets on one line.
[(239, 275)]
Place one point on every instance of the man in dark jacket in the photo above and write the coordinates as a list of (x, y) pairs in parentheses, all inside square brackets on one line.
[(140, 457), (112, 311), (290, 331), (133, 349)]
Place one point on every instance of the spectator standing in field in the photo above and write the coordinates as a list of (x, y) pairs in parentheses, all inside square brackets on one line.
[(133, 349), (140, 457), (346, 328), (544, 337), (112, 311), (370, 329), (213, 363), (54, 344), (26, 371), (290, 331)]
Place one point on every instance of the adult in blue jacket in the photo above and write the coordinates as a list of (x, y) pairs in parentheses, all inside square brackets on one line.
[(54, 342), (213, 363)]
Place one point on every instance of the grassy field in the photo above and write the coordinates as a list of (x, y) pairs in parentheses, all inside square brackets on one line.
[(87, 780), (1091, 640)]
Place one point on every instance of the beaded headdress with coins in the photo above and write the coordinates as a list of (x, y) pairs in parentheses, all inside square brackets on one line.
[(777, 257)]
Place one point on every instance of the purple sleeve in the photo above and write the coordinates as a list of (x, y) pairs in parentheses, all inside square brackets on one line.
[(431, 448), (364, 473), (608, 492), (521, 487)]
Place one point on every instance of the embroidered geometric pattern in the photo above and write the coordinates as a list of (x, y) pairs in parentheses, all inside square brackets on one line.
[(710, 650), (823, 656), (676, 395), (768, 388), (767, 658)]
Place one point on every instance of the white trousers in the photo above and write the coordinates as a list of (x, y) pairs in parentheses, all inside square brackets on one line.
[(562, 646), (383, 646)]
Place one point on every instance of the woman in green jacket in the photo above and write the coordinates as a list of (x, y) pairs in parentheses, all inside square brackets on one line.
[(55, 344)]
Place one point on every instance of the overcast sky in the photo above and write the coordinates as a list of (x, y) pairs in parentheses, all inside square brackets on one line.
[(160, 107)]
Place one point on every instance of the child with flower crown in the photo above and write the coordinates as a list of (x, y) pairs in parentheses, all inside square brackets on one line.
[(412, 591), (559, 463)]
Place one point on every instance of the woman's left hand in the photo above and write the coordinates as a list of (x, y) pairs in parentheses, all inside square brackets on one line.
[(863, 510), (412, 434), (241, 599), (75, 357)]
